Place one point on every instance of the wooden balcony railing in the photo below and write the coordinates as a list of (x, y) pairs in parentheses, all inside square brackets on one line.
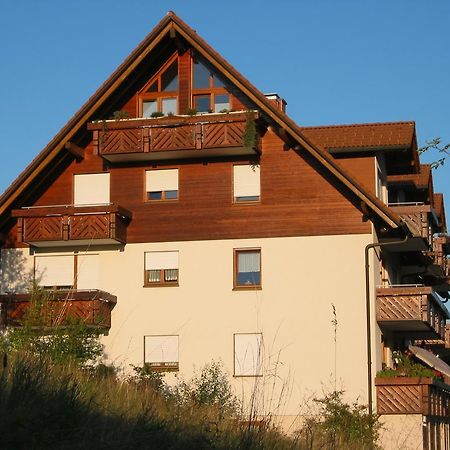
[(439, 343), (416, 310), (72, 225), (419, 219), (92, 307), (412, 395), (175, 137)]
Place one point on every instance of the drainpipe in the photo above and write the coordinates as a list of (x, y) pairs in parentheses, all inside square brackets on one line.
[(368, 317)]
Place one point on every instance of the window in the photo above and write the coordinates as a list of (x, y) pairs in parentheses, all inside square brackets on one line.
[(79, 271), (161, 352), (248, 354), (161, 94), (161, 269), (91, 189), (88, 269), (161, 184), (54, 271), (246, 183), (247, 268), (209, 94)]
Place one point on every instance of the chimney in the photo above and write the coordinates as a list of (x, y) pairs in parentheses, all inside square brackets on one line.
[(277, 101)]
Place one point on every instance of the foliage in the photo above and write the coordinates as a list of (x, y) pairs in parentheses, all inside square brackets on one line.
[(405, 367), (443, 151), (146, 378), (156, 114), (45, 405), (42, 333), (224, 111), (212, 388), (191, 111), (339, 424), (120, 115), (250, 130)]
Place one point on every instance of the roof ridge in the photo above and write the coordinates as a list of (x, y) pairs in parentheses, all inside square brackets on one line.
[(354, 125)]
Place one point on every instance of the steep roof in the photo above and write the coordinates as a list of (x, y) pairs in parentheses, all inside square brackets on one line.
[(171, 24), (388, 135)]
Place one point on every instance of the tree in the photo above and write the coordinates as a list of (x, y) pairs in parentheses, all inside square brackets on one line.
[(443, 151)]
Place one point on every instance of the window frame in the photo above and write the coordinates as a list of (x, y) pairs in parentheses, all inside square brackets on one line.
[(233, 176), (260, 362), (210, 91), (162, 367), (159, 95), (162, 272), (241, 287), (163, 193)]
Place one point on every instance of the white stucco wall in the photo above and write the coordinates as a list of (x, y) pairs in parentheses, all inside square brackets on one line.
[(301, 278)]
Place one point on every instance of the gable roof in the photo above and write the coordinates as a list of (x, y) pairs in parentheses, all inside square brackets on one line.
[(172, 24), (370, 136)]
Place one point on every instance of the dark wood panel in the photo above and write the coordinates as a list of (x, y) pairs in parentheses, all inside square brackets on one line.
[(298, 198)]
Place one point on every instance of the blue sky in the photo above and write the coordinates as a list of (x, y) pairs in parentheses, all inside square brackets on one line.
[(333, 61)]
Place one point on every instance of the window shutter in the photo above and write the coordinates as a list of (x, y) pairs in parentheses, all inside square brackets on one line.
[(161, 349), (54, 270), (161, 180), (88, 272), (161, 260), (91, 189), (246, 181), (247, 354)]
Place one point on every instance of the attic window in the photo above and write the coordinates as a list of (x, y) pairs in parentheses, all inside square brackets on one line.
[(161, 93), (208, 91)]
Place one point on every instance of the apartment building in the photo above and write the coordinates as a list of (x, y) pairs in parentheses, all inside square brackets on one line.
[(187, 218)]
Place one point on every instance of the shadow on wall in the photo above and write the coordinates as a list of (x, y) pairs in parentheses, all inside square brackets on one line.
[(16, 271)]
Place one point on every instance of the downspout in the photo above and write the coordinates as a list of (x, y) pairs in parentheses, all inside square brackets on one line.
[(368, 316)]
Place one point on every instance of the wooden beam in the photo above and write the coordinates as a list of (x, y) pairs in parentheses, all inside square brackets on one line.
[(75, 150)]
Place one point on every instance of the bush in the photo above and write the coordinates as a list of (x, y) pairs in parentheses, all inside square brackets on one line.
[(39, 333), (339, 424)]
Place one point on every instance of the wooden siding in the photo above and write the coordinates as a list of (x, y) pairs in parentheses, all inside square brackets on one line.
[(298, 198)]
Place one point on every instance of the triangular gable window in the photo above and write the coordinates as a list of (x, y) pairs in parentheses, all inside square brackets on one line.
[(160, 95)]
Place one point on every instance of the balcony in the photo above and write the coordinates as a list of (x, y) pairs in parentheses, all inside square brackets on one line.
[(420, 219), (92, 307), (69, 225), (439, 344), (412, 395), (412, 309), (174, 137)]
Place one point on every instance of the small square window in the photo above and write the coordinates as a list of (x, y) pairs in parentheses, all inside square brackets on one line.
[(161, 269), (161, 184), (247, 268), (248, 354), (149, 107), (246, 183), (161, 353)]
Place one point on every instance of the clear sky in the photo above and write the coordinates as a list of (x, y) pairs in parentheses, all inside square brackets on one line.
[(335, 62)]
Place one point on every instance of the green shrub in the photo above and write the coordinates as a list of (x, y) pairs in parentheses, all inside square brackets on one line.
[(340, 425), (40, 333)]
